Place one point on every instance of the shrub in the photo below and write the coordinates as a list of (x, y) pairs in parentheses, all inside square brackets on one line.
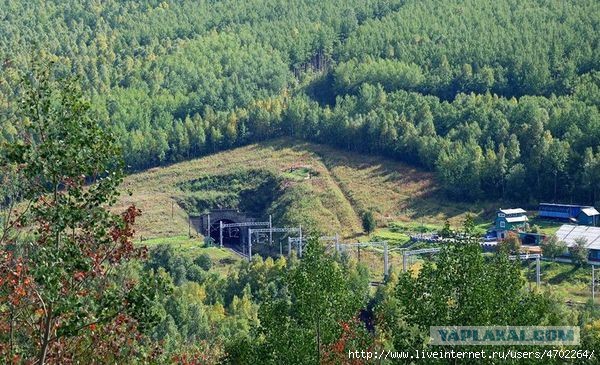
[(203, 261), (579, 252), (552, 247), (368, 222)]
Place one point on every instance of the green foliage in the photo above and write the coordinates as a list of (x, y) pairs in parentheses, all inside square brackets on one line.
[(579, 252), (462, 287), (459, 170), (511, 244), (251, 191), (475, 46), (368, 221), (203, 261), (552, 247), (469, 224), (432, 83), (179, 267), (447, 231), (400, 78), (65, 254), (298, 322), (303, 310), (444, 293), (391, 74)]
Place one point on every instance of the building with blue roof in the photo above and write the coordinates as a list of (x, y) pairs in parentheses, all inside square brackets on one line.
[(580, 214)]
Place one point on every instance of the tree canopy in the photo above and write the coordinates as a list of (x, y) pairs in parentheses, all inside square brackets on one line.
[(501, 96)]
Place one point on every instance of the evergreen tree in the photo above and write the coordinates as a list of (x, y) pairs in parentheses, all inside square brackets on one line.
[(369, 222)]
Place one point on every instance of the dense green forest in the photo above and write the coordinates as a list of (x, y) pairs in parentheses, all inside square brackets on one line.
[(75, 289), (500, 96)]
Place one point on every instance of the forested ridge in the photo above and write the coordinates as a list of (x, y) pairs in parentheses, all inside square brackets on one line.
[(499, 98)]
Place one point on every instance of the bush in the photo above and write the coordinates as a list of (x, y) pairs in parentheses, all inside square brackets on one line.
[(368, 221), (552, 247), (196, 274), (446, 232), (511, 244), (203, 261), (579, 252)]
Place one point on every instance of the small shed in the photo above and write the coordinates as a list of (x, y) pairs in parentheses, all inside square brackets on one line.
[(588, 216)]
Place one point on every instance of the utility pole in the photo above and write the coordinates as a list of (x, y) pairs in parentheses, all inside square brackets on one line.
[(270, 231), (249, 244), (221, 234), (300, 244), (537, 272), (208, 227), (593, 287), (386, 270)]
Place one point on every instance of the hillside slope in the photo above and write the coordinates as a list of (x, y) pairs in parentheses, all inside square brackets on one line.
[(319, 187)]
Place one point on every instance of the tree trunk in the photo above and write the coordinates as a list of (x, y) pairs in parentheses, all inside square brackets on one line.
[(12, 333), (45, 337)]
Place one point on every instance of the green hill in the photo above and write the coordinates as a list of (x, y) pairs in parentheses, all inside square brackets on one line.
[(297, 182)]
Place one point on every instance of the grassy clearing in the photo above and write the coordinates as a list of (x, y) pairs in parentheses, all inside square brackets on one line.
[(397, 192), (221, 258), (392, 237), (323, 188), (546, 227), (398, 233), (567, 281)]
